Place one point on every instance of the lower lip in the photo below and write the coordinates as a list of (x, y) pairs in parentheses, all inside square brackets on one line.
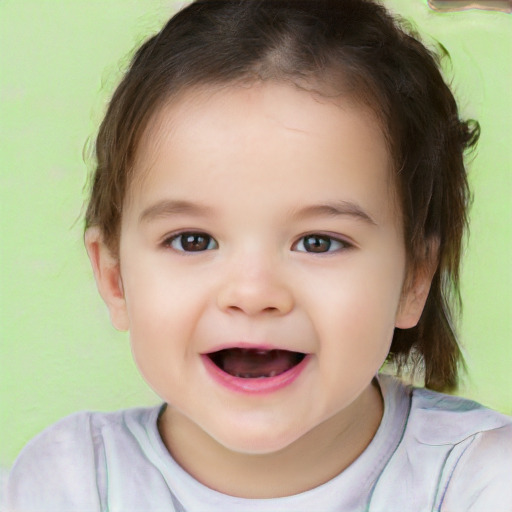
[(254, 386)]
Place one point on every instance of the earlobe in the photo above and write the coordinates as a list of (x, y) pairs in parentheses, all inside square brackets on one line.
[(416, 290), (412, 303), (107, 273)]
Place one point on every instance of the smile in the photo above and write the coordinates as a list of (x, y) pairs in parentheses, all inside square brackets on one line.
[(254, 363), (251, 370)]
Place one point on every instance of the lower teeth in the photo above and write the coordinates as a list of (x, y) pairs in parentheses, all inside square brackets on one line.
[(255, 364), (273, 373)]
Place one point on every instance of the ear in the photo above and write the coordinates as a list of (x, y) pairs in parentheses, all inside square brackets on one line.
[(416, 289), (107, 272)]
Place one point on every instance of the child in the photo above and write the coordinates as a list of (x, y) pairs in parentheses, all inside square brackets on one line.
[(277, 210)]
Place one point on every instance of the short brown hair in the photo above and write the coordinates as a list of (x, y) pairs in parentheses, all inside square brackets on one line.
[(355, 46)]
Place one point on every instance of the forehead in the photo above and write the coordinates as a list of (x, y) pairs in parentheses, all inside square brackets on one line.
[(256, 131)]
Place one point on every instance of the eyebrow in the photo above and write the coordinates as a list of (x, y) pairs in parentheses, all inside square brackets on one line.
[(335, 209), (170, 207)]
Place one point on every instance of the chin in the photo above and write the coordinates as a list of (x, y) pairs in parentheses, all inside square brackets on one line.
[(264, 442)]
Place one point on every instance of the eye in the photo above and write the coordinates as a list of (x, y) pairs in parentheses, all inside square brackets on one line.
[(318, 244), (191, 242)]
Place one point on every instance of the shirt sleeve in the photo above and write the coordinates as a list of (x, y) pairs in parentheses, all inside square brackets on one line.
[(58, 470), (482, 478)]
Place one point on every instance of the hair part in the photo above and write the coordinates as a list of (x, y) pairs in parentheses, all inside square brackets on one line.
[(354, 49)]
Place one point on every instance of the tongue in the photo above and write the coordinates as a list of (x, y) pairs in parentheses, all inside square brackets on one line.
[(252, 364)]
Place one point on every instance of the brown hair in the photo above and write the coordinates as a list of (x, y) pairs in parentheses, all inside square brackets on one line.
[(355, 47)]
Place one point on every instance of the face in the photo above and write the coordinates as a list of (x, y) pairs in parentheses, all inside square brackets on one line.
[(262, 262)]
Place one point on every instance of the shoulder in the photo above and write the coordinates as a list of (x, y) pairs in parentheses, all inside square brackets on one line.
[(477, 471), (454, 455), (433, 418), (440, 419), (482, 477), (63, 467), (56, 467)]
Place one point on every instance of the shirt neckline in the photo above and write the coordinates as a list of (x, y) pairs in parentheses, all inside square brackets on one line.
[(351, 489)]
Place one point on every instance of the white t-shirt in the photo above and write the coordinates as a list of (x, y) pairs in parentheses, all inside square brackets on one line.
[(432, 452)]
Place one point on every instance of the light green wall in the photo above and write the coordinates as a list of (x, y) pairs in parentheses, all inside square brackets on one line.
[(59, 61)]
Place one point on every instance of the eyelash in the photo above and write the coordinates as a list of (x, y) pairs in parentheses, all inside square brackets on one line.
[(339, 243), (168, 242), (318, 239)]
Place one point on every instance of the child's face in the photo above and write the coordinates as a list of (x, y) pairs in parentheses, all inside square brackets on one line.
[(294, 243)]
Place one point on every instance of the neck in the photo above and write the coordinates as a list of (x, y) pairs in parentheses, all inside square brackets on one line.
[(312, 460)]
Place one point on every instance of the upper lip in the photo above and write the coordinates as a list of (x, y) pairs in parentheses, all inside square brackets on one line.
[(250, 346)]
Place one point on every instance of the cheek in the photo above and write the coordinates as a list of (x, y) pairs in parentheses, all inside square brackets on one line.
[(161, 296), (354, 344), (355, 311), (361, 326), (163, 310)]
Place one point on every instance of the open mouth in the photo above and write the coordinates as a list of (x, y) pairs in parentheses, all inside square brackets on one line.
[(255, 363)]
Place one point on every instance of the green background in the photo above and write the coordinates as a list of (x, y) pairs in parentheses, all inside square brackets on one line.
[(59, 62)]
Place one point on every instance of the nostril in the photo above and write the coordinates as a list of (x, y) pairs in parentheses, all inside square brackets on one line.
[(254, 297)]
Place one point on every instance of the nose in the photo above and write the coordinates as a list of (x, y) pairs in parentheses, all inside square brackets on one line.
[(255, 288)]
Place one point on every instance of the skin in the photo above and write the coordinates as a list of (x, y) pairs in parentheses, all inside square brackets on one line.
[(249, 167)]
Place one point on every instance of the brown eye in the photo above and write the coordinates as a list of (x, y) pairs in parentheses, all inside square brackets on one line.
[(192, 242), (316, 243)]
